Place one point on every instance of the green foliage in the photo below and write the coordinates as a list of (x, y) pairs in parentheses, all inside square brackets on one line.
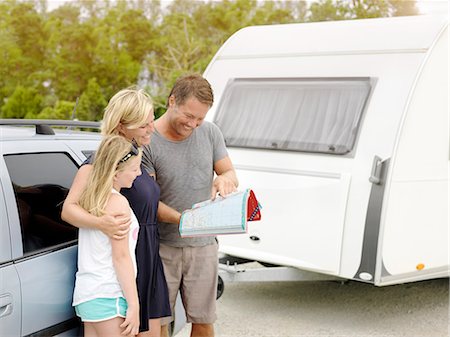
[(88, 50), (327, 10), (91, 103), (28, 32), (23, 103), (62, 110)]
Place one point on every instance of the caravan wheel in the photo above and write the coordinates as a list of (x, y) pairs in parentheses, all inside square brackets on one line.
[(220, 287)]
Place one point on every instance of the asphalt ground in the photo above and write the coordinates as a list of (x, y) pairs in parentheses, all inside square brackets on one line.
[(331, 308)]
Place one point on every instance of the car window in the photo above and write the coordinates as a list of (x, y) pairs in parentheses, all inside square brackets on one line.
[(41, 182)]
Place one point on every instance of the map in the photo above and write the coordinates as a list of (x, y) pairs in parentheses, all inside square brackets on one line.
[(224, 215)]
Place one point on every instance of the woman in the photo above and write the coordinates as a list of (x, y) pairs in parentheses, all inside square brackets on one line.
[(105, 295), (130, 114)]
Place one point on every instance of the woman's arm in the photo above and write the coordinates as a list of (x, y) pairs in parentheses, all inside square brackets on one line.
[(123, 266), (115, 224)]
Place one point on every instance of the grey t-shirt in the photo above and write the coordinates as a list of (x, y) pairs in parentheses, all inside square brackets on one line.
[(184, 171)]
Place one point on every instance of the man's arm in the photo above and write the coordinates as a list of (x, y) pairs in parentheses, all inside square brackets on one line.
[(226, 180), (168, 214), (114, 225)]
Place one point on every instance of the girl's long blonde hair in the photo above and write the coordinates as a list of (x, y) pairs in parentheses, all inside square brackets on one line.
[(111, 157)]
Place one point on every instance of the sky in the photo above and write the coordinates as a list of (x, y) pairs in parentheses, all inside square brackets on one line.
[(425, 6), (433, 6)]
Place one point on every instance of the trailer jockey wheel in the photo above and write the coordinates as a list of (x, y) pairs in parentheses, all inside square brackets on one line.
[(220, 287)]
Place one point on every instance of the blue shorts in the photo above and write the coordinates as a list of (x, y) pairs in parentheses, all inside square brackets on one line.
[(101, 309)]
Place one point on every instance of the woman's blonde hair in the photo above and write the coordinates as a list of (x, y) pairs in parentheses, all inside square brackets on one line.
[(111, 157), (130, 107)]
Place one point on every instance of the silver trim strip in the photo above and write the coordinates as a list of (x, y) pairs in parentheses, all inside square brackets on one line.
[(288, 171), (367, 267), (324, 53)]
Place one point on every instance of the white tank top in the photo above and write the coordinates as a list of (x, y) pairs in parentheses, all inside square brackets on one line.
[(96, 276)]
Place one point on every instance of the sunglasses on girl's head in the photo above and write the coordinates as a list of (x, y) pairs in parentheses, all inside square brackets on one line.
[(134, 151)]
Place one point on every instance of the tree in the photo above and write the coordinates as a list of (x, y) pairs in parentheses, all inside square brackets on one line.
[(28, 30), (62, 110), (23, 103), (91, 49), (92, 102), (10, 60), (137, 34), (113, 65), (326, 10), (193, 31), (329, 10), (21, 47), (369, 8), (71, 55)]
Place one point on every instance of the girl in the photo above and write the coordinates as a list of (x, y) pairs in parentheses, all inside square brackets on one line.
[(105, 295)]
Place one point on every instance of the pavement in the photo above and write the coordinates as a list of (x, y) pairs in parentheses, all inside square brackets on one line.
[(332, 308)]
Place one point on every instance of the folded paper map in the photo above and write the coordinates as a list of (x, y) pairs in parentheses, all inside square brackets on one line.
[(224, 215)]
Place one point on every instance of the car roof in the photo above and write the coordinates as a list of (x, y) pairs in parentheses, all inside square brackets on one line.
[(10, 133), (11, 130)]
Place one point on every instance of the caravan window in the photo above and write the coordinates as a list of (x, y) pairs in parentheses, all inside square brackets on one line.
[(313, 115)]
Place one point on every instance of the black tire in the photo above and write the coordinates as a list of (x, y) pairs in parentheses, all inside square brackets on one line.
[(268, 265), (220, 287), (170, 328)]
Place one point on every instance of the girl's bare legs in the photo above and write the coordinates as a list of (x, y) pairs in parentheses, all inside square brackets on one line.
[(109, 328), (89, 330)]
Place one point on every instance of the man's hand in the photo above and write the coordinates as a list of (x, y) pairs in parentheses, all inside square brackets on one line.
[(116, 226), (222, 185)]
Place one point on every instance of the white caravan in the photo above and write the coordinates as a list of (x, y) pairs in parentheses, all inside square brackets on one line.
[(342, 130)]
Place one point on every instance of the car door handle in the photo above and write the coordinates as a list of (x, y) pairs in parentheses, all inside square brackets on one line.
[(6, 305)]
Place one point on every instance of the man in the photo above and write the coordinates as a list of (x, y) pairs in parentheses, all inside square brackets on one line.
[(184, 154)]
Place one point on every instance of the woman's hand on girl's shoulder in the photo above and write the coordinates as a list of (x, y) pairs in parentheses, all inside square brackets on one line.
[(116, 225), (117, 220)]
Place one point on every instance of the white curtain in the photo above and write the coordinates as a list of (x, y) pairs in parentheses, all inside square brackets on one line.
[(319, 115)]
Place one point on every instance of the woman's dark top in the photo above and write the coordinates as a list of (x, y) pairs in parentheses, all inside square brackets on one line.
[(143, 197)]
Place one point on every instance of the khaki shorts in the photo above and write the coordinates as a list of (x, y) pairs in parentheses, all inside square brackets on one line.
[(193, 271)]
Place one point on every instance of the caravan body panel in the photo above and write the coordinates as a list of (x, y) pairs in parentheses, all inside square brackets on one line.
[(415, 234), (316, 204)]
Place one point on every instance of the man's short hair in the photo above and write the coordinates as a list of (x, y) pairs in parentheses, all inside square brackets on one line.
[(193, 85)]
